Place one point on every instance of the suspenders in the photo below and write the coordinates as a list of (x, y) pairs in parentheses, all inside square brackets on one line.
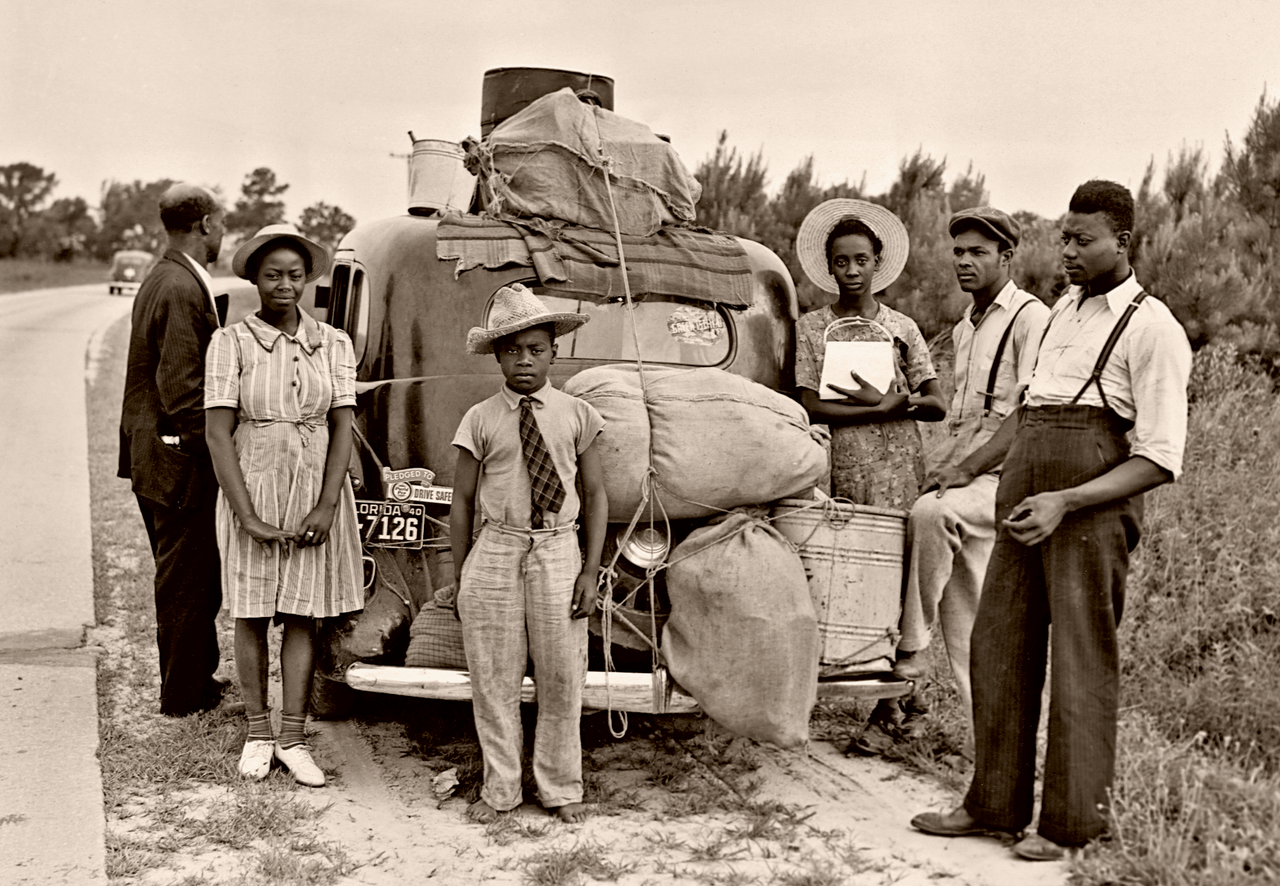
[(989, 395), (1095, 377)]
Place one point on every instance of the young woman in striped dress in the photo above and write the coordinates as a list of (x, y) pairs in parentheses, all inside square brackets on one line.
[(279, 398)]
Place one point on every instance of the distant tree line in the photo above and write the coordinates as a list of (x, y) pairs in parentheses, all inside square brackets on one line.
[(127, 215), (1207, 244)]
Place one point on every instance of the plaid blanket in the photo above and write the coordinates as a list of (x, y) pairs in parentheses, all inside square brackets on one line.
[(674, 262), (435, 640)]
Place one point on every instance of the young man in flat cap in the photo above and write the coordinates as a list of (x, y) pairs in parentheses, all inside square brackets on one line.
[(1104, 420), (952, 527)]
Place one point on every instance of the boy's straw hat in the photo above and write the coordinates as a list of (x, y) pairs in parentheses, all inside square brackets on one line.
[(811, 242), (319, 255), (515, 308)]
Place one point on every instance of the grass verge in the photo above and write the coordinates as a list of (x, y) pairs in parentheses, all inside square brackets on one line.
[(172, 794), (1197, 793), (22, 274)]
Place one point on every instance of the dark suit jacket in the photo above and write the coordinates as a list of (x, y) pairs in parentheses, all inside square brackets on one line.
[(164, 388)]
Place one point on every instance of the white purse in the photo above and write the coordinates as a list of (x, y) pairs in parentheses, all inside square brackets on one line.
[(869, 353)]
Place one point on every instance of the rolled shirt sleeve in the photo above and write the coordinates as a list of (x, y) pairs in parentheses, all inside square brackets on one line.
[(1159, 368), (469, 434), (590, 424)]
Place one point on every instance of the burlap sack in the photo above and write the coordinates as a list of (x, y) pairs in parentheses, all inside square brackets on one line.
[(743, 636), (717, 441)]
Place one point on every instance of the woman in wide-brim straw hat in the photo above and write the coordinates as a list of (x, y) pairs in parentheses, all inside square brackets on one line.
[(855, 249), (284, 383)]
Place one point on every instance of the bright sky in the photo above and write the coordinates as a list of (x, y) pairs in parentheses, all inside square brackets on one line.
[(1039, 96)]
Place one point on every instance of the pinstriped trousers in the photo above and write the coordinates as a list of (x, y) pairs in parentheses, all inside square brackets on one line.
[(514, 602), (1074, 580)]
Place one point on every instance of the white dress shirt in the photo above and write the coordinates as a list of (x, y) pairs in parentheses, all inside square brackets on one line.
[(206, 281), (1145, 379), (969, 425)]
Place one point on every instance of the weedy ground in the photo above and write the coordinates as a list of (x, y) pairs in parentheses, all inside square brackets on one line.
[(1197, 794)]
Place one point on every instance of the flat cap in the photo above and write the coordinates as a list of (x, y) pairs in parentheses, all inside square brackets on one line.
[(999, 225)]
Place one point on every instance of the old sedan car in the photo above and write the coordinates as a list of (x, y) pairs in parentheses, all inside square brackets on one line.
[(128, 268)]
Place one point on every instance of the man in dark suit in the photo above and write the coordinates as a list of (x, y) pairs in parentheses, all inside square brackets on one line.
[(163, 451)]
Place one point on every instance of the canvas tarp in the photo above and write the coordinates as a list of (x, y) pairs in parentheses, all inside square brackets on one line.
[(550, 161)]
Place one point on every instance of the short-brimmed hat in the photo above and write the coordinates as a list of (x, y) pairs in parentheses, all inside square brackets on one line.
[(319, 255), (989, 220), (811, 242), (514, 308)]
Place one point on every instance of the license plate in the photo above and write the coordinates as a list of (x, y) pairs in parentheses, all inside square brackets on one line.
[(391, 524)]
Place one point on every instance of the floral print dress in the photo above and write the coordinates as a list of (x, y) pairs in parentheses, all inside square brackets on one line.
[(879, 464)]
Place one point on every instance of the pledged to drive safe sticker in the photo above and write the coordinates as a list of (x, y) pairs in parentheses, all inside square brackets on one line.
[(414, 484), (693, 325), (407, 475)]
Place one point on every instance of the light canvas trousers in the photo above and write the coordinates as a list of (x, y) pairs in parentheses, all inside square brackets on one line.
[(950, 540), (514, 602)]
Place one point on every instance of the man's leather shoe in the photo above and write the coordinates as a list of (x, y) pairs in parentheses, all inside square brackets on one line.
[(956, 823), (1034, 847)]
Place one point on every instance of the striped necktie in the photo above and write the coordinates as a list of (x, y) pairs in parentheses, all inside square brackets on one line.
[(544, 482)]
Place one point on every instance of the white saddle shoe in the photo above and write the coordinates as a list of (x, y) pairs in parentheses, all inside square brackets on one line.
[(255, 759), (298, 761)]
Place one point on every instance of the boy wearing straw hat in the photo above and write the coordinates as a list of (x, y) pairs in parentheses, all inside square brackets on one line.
[(524, 588), (952, 526)]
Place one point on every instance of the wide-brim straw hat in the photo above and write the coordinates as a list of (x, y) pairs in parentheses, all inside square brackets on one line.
[(811, 242), (514, 308), (319, 255)]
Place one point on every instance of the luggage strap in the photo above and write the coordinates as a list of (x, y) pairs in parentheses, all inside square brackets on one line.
[(1095, 377), (989, 396)]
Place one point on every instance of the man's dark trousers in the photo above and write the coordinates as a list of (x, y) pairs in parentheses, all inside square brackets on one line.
[(188, 592), (1075, 579), (172, 324)]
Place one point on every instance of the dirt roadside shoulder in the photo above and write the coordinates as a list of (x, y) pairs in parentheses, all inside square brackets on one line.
[(676, 801)]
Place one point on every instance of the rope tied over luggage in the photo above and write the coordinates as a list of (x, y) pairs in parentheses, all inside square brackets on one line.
[(651, 504)]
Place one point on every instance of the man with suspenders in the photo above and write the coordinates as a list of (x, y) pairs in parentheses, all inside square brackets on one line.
[(1104, 420), (952, 527)]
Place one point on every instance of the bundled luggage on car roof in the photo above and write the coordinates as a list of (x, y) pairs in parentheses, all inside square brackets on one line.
[(563, 158)]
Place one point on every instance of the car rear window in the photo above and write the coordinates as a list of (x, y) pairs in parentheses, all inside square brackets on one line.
[(680, 332)]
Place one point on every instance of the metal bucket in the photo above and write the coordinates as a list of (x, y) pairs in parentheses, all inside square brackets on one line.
[(853, 556), (438, 177), (507, 91)]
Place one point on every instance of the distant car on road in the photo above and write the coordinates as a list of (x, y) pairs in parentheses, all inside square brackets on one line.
[(128, 268)]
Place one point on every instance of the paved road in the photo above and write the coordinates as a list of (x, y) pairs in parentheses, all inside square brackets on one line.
[(51, 818)]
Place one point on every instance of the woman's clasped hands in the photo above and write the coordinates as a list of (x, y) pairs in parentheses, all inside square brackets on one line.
[(313, 531)]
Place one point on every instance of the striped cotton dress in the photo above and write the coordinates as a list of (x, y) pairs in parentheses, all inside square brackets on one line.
[(283, 388)]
